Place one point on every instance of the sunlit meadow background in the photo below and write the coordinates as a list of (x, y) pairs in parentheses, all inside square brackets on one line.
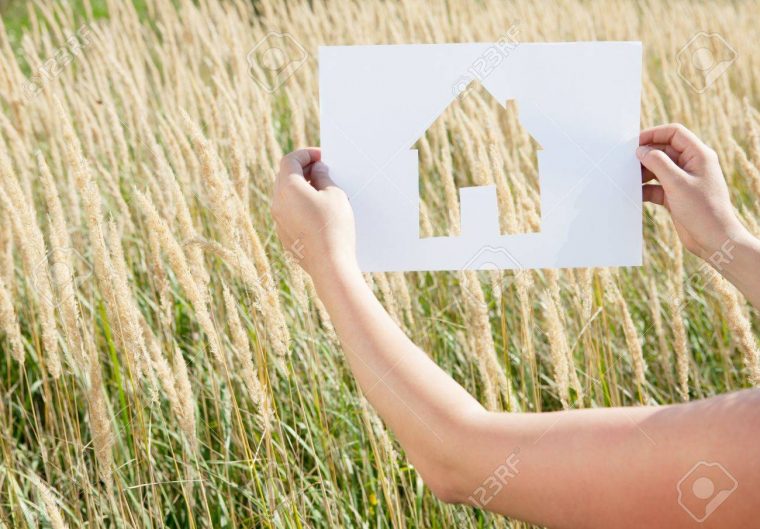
[(162, 360)]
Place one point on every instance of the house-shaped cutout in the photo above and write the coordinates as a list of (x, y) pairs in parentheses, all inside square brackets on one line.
[(478, 141), (580, 101)]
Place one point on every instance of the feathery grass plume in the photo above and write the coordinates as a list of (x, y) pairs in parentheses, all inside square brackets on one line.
[(507, 213), (100, 423), (167, 177), (389, 300), (753, 131), (655, 307), (495, 277), (382, 447), (751, 222), (217, 187), (90, 197), (175, 382), (49, 501), (449, 188), (240, 172), (161, 281), (9, 323), (7, 264), (128, 314), (552, 281), (242, 348), (324, 316), (476, 309), (629, 329), (17, 150), (179, 264), (62, 266), (400, 289), (680, 343), (297, 281), (489, 388), (235, 228), (586, 291), (552, 277), (32, 245), (749, 169), (523, 285), (558, 348), (738, 321), (187, 404)]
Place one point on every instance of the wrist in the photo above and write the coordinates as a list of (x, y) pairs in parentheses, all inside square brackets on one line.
[(334, 269), (739, 253), (722, 251)]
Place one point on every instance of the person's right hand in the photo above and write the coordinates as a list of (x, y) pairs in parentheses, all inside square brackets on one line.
[(313, 217), (691, 187)]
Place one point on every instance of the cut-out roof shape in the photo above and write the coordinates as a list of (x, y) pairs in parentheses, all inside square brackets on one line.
[(475, 90)]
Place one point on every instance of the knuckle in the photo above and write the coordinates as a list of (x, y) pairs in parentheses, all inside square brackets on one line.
[(285, 161), (275, 209), (289, 188), (707, 154), (655, 155), (679, 128)]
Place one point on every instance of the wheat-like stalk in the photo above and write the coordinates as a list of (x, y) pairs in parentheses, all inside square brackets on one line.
[(196, 380)]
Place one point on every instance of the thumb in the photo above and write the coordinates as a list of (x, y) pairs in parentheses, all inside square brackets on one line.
[(659, 164), (320, 176)]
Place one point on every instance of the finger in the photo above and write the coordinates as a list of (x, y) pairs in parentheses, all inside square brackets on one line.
[(668, 149), (320, 176), (659, 163), (646, 174), (296, 161), (673, 134), (654, 194), (294, 164)]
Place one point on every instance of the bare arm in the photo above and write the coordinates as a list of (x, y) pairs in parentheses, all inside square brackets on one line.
[(617, 467), (591, 468)]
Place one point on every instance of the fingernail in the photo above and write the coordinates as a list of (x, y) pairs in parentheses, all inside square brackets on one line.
[(320, 166), (642, 151)]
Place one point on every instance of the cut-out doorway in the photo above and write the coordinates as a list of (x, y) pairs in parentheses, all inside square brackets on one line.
[(478, 141)]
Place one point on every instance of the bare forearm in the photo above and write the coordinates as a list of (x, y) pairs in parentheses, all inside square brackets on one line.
[(739, 262), (621, 467), (416, 399)]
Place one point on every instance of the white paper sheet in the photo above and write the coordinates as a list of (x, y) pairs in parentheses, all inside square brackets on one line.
[(579, 100)]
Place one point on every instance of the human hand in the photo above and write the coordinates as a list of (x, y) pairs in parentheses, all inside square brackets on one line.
[(691, 186), (313, 217)]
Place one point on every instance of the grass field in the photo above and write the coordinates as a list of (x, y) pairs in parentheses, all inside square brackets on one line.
[(164, 364)]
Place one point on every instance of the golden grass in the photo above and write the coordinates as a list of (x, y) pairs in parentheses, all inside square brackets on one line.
[(166, 362)]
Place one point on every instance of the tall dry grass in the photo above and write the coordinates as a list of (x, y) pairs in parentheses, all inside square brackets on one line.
[(167, 364)]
